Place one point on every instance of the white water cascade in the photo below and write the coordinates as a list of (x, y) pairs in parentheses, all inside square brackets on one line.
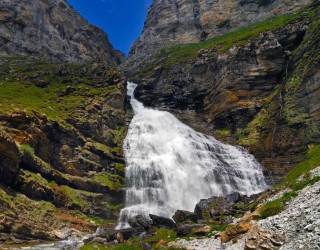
[(169, 166)]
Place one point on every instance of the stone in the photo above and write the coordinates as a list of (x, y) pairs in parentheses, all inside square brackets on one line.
[(160, 221), (119, 237), (241, 227), (99, 240), (201, 231), (182, 216), (263, 239), (10, 159), (233, 197), (140, 221), (217, 206), (145, 246)]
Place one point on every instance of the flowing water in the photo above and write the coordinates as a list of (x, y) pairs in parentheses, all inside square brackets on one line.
[(170, 166)]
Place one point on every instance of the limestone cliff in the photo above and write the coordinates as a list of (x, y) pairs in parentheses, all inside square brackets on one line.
[(183, 21), (54, 29), (255, 86)]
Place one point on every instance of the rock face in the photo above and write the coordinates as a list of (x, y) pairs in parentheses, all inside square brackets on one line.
[(172, 22), (62, 122), (60, 147), (53, 29), (247, 87)]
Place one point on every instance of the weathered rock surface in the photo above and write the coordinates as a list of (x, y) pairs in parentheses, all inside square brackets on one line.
[(60, 155), (159, 221), (259, 238), (53, 29), (220, 208), (140, 221), (182, 216), (172, 22)]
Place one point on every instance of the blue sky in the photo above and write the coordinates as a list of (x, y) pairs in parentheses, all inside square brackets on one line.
[(121, 19)]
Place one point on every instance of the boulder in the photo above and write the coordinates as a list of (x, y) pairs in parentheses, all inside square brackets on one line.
[(201, 231), (240, 228), (209, 208), (160, 221), (233, 197), (218, 206), (259, 238), (182, 216), (140, 221)]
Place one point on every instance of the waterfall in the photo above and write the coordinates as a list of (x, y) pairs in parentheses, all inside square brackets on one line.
[(169, 166)]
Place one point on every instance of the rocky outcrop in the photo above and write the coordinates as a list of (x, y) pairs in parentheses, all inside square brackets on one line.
[(60, 147), (171, 22), (183, 217), (223, 208), (9, 159), (248, 87), (160, 221), (53, 29)]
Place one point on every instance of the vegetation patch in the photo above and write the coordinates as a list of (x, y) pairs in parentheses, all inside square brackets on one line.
[(311, 162), (113, 181), (276, 206), (27, 148), (163, 234), (220, 228), (77, 196), (100, 246), (52, 89)]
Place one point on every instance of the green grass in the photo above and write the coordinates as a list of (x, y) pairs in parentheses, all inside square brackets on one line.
[(35, 177), (276, 206), (113, 181), (124, 247), (99, 246), (19, 90), (77, 196), (93, 246), (163, 234), (219, 228), (27, 148), (312, 161), (97, 219)]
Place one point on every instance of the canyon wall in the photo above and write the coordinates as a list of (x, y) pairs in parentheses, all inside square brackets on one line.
[(172, 22), (256, 86)]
